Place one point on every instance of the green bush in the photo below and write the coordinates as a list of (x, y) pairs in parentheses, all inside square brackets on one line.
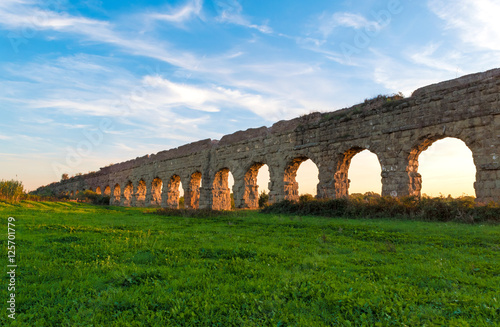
[(371, 205), (306, 198), (11, 190), (93, 197), (263, 199)]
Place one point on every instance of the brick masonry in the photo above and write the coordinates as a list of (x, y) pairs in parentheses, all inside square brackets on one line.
[(397, 130)]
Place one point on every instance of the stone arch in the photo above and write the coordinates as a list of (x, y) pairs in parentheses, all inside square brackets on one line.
[(128, 192), (221, 194), (173, 192), (116, 197), (341, 176), (140, 197), (107, 191), (192, 191), (250, 196), (291, 186), (156, 191), (98, 190), (413, 160)]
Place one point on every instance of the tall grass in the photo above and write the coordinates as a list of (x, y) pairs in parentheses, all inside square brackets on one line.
[(11, 190)]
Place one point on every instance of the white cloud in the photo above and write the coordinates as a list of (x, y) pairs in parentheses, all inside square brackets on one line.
[(477, 21), (428, 57), (213, 98), (230, 11), (169, 94), (399, 77), (24, 16), (328, 23), (180, 15)]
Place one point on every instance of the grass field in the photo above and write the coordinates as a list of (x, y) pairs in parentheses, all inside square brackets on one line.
[(82, 265)]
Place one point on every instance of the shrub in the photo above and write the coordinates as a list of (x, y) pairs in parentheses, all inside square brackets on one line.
[(263, 199), (233, 206), (371, 205), (93, 197), (306, 198), (11, 190)]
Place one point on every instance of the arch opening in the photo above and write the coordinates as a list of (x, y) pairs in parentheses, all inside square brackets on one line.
[(173, 192), (116, 195), (300, 178), (441, 167), (107, 191), (221, 190), (364, 173), (341, 176), (141, 193), (127, 194), (257, 175), (98, 190), (192, 191), (156, 190)]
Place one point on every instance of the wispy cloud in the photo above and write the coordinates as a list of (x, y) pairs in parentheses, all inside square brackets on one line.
[(476, 20), (429, 57), (230, 11), (329, 22), (24, 15), (181, 14), (399, 76)]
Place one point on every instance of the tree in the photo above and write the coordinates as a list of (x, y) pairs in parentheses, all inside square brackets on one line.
[(64, 177)]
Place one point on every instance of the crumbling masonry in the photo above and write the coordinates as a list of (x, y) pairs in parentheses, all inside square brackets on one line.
[(396, 130)]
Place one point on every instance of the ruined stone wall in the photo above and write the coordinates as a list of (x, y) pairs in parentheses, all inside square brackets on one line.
[(396, 130)]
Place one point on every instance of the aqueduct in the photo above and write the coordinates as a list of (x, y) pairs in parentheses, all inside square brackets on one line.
[(396, 130)]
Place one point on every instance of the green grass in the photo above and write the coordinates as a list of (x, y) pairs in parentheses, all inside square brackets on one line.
[(82, 265)]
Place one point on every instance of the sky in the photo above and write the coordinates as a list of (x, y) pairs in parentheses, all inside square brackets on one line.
[(84, 84)]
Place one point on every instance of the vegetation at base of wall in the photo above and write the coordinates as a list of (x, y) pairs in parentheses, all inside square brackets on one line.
[(93, 197), (371, 205), (192, 213), (263, 199), (84, 265)]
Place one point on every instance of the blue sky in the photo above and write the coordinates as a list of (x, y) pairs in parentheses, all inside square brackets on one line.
[(87, 83)]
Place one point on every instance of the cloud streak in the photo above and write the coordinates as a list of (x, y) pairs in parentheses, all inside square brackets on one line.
[(330, 22), (476, 20), (230, 11), (182, 14)]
